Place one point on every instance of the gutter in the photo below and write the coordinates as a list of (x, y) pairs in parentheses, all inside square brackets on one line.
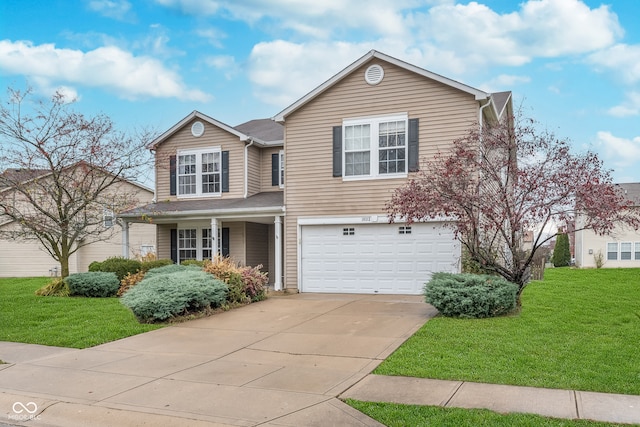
[(246, 166)]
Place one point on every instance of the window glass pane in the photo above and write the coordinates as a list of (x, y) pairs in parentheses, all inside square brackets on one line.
[(391, 143), (211, 176), (187, 244), (186, 174), (612, 251), (357, 137), (625, 251), (637, 251), (357, 163)]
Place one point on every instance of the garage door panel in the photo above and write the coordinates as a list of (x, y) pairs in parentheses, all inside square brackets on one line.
[(376, 258)]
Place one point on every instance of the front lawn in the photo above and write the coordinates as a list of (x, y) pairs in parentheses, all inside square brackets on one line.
[(396, 415), (578, 329), (75, 322)]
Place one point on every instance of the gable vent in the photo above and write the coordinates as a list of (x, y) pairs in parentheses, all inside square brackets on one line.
[(197, 129), (374, 74)]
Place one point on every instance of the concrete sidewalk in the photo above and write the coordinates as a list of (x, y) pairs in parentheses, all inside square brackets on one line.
[(281, 362), (570, 404)]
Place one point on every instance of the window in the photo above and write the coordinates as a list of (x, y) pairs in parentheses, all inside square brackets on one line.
[(612, 251), (637, 251), (206, 243), (375, 147), (108, 218), (348, 231), (146, 250), (625, 251), (187, 244), (199, 172), (404, 229)]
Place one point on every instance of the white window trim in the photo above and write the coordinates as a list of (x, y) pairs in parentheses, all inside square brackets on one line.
[(374, 122), (281, 168), (108, 218), (198, 153), (199, 237), (634, 248)]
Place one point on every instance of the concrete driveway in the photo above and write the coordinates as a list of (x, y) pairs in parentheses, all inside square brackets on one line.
[(280, 362)]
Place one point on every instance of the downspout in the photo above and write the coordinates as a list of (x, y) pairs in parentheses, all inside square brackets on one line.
[(246, 167), (155, 178)]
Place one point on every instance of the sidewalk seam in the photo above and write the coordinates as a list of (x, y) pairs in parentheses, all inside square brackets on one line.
[(446, 403)]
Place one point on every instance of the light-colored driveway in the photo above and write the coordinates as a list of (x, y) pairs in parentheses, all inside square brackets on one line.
[(280, 362)]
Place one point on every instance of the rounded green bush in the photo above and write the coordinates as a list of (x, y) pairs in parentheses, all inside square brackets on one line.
[(148, 265), (119, 265), (98, 284), (470, 295), (162, 296)]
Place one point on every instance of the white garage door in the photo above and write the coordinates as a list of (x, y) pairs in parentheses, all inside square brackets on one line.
[(375, 258)]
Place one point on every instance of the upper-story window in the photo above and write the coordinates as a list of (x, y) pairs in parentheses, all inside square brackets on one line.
[(375, 147), (281, 172), (199, 172)]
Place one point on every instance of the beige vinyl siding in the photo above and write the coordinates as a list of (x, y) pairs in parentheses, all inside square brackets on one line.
[(237, 237), (25, 259), (258, 243), (163, 242), (311, 190), (265, 170), (254, 176), (212, 137)]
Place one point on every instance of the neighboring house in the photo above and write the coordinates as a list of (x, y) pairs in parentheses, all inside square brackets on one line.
[(620, 248), (319, 224), (22, 258)]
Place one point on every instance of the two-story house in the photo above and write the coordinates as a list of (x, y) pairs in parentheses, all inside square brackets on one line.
[(309, 203)]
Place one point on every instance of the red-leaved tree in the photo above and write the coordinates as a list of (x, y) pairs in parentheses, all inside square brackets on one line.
[(498, 182)]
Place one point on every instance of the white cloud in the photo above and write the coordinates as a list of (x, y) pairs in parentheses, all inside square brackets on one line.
[(213, 36), (504, 81), (225, 63), (284, 71), (622, 59), (107, 67), (631, 106), (622, 152), (117, 9)]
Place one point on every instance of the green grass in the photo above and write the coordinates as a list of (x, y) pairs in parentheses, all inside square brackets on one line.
[(396, 415), (74, 322), (578, 329)]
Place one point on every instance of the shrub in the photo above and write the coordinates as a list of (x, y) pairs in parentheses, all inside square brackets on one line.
[(129, 281), (236, 293), (470, 295), (561, 252), (193, 262), (93, 284), (55, 288), (119, 265), (254, 282), (221, 267), (162, 296), (148, 265), (171, 268)]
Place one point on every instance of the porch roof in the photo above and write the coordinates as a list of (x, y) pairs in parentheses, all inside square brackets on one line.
[(267, 203)]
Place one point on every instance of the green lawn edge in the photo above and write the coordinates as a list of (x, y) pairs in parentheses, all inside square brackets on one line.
[(577, 329)]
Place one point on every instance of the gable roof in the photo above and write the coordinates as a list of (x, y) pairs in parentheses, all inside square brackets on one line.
[(631, 191), (272, 133), (11, 177), (196, 114), (478, 94)]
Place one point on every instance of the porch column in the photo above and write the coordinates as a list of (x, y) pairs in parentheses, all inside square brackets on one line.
[(277, 285), (125, 239), (215, 248)]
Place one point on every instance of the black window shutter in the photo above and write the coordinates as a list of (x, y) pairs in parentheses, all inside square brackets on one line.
[(225, 242), (414, 153), (172, 176), (225, 171), (275, 169), (337, 151), (174, 245)]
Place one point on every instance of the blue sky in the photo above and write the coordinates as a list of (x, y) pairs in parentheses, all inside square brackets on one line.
[(573, 65)]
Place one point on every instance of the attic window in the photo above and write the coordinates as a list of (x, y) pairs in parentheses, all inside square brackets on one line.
[(374, 74), (197, 129)]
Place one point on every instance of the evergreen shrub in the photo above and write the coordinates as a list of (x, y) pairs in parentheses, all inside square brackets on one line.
[(470, 295), (163, 296), (98, 284), (119, 265)]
